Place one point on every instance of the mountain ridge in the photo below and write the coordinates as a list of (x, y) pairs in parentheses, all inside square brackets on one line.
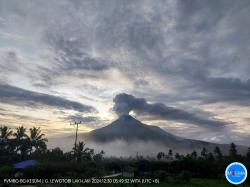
[(130, 130)]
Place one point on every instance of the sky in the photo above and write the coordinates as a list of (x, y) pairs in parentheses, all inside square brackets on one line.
[(182, 65)]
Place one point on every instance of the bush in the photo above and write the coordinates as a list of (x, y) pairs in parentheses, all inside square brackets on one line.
[(184, 176), (6, 171), (61, 169), (161, 174)]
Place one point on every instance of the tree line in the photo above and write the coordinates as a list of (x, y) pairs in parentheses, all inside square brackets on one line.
[(217, 153), (21, 144)]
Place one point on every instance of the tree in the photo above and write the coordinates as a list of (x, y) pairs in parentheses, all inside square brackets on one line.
[(160, 155), (20, 133), (5, 133), (204, 152), (233, 151), (22, 141), (218, 153), (98, 157), (56, 154), (5, 143), (194, 155), (80, 152), (248, 154), (210, 157), (170, 155), (37, 139), (177, 156)]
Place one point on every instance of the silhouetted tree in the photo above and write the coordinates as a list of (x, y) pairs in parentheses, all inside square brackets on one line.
[(5, 143), (160, 155), (170, 153), (81, 152), (204, 152), (177, 156), (56, 154), (194, 155), (98, 157), (5, 133), (210, 157), (248, 154), (22, 141), (37, 139), (218, 154), (233, 151)]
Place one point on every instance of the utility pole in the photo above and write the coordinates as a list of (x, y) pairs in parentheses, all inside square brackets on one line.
[(76, 124)]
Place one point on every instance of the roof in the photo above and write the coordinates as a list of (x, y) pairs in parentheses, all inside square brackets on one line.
[(25, 164)]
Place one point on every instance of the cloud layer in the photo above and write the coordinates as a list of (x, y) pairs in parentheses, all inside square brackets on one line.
[(17, 96)]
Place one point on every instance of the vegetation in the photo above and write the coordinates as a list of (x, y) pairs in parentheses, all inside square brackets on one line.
[(194, 169), (19, 145)]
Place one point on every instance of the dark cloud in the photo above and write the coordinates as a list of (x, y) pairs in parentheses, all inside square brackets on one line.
[(17, 96), (91, 121), (186, 43), (22, 118), (83, 119), (124, 103), (232, 90), (217, 89), (201, 16), (208, 90), (70, 54)]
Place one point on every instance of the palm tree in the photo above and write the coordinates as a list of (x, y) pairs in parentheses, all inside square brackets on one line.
[(5, 133), (5, 144), (37, 139), (22, 141), (20, 133), (81, 152)]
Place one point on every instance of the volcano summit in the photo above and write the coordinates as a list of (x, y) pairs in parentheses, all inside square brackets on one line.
[(130, 131)]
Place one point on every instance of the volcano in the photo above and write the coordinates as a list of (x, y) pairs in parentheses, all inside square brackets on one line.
[(130, 130)]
